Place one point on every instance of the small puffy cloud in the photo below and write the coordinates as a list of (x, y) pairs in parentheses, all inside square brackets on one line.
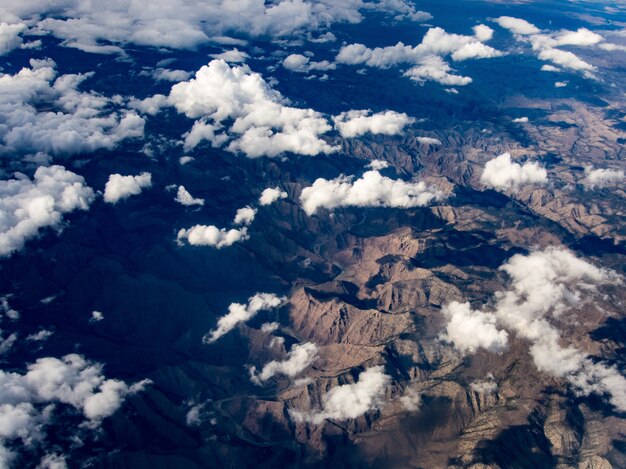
[(599, 178), (183, 160), (434, 68), (371, 190), (411, 400), (561, 84), (96, 316), (238, 313), (202, 130), (270, 327), (356, 123), (262, 124), (350, 401), (503, 174), (10, 36), (211, 235), (166, 74), (428, 141), (302, 64), (517, 25), (470, 330), (377, 165), (485, 386), (521, 120), (27, 206), (245, 216), (550, 68), (271, 195), (42, 335), (298, 359), (232, 56), (120, 187), (580, 37), (183, 197), (150, 106)]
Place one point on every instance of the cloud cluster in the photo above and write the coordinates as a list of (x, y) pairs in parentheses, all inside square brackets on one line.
[(503, 174), (26, 400), (43, 112), (183, 197), (356, 123), (299, 358), (302, 64), (350, 401), (101, 27), (544, 285), (27, 206), (427, 58), (271, 195), (10, 36), (262, 122), (485, 386), (371, 190), (120, 187), (211, 235), (546, 44), (238, 313), (600, 178)]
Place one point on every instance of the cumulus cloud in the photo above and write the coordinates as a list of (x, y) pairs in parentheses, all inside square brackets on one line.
[(350, 401), (98, 26), (233, 56), (470, 330), (356, 123), (371, 190), (503, 174), (544, 285), (262, 123), (96, 316), (599, 178), (245, 216), (71, 380), (545, 44), (411, 400), (298, 359), (302, 64), (79, 122), (427, 57), (183, 197), (271, 195), (27, 206), (120, 187), (521, 120), (166, 74), (10, 36), (429, 141), (377, 165), (238, 313), (485, 386), (211, 235)]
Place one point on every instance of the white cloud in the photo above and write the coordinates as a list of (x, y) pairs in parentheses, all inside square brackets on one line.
[(371, 190), (270, 327), (183, 197), (356, 123), (301, 64), (411, 400), (427, 57), (96, 316), (151, 105), (183, 160), (599, 178), (544, 285), (428, 141), (40, 336), (299, 358), (561, 84), (189, 23), (550, 68), (271, 195), (521, 120), (263, 125), (350, 401), (232, 56), (470, 330), (120, 187), (52, 461), (80, 122), (210, 235), (377, 165), (71, 380), (10, 36), (485, 386), (545, 44), (202, 130), (166, 74), (503, 174), (245, 216), (27, 206), (238, 313)]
